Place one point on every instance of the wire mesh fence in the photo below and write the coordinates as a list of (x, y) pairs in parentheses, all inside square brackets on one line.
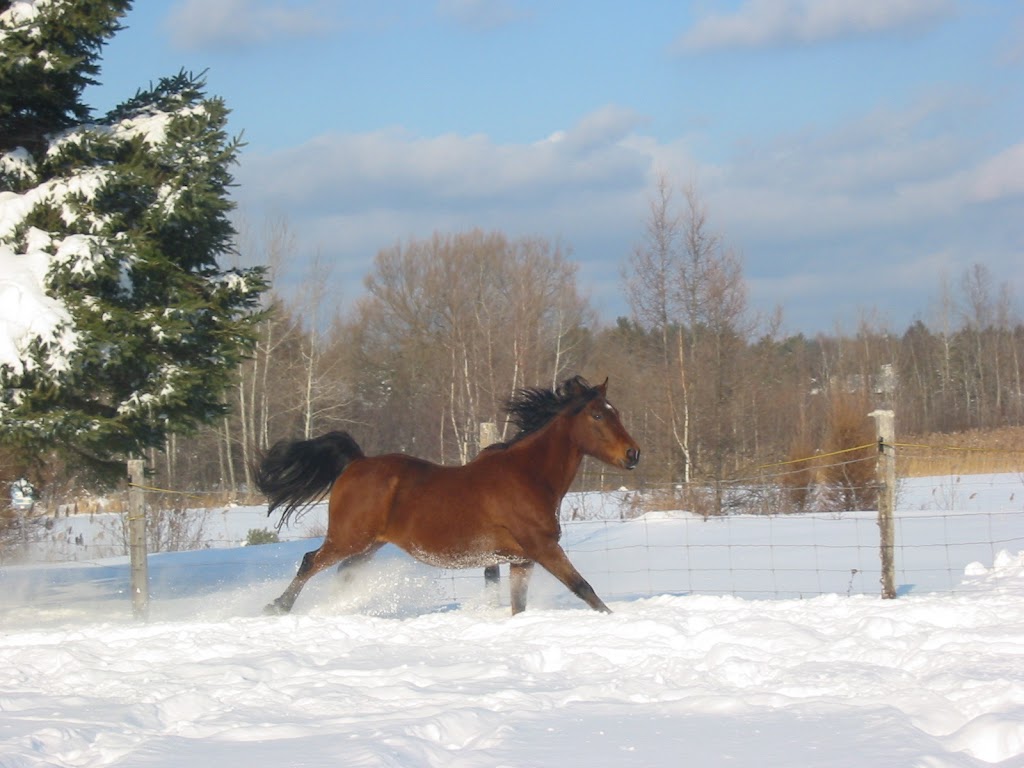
[(632, 543), (796, 555)]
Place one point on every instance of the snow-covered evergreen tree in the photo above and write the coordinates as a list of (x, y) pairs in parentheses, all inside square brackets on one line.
[(118, 323)]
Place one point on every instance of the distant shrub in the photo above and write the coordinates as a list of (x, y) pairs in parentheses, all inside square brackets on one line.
[(261, 536), (848, 479)]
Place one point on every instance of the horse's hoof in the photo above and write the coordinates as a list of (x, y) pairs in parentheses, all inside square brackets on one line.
[(274, 609)]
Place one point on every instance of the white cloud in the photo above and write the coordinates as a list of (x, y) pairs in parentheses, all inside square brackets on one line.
[(349, 195), (197, 24), (391, 169), (1011, 52), (807, 210), (1000, 177), (868, 214), (482, 14), (760, 23), (888, 169), (601, 128)]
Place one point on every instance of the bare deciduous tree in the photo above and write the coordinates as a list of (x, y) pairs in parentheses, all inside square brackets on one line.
[(472, 316), (654, 292), (687, 287)]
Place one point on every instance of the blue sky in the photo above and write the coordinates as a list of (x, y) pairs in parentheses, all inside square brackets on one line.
[(857, 153)]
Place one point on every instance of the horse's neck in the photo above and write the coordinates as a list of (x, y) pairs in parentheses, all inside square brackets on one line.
[(558, 457)]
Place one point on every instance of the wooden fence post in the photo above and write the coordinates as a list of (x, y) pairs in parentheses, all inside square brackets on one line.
[(488, 434), (885, 423), (492, 573), (137, 540)]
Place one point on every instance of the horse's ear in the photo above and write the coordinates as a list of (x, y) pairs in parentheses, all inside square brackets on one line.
[(575, 386), (603, 387)]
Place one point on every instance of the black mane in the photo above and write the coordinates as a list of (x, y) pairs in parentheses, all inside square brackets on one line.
[(531, 408)]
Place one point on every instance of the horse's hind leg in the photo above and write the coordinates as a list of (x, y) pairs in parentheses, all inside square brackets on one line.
[(492, 576), (492, 580), (519, 580), (312, 563), (346, 566)]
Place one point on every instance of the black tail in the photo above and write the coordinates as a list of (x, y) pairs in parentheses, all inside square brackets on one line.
[(297, 473)]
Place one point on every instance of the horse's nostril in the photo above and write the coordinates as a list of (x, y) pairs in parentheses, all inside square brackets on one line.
[(633, 457)]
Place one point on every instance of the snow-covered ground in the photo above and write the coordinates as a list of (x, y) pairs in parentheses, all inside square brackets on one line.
[(409, 666)]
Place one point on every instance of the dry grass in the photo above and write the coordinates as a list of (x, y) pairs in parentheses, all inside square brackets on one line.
[(961, 453), (800, 481)]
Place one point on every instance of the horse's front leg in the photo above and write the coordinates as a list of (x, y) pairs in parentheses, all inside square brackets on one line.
[(519, 581), (553, 558)]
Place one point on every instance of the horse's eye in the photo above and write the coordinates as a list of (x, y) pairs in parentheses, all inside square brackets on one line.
[(597, 415)]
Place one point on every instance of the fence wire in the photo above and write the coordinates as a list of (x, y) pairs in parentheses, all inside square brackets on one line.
[(775, 557), (628, 551)]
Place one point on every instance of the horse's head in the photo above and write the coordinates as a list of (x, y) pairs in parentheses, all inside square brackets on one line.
[(597, 429)]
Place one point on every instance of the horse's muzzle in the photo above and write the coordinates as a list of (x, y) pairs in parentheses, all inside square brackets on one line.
[(632, 458)]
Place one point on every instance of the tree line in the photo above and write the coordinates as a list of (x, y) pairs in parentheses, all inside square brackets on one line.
[(449, 326)]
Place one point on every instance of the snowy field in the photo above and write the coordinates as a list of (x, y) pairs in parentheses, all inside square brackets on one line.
[(411, 666)]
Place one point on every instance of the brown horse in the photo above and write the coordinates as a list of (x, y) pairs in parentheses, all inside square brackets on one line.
[(501, 507)]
